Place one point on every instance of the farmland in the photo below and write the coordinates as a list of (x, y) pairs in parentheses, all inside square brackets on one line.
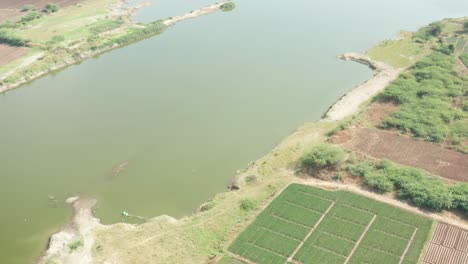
[(448, 245), (311, 225)]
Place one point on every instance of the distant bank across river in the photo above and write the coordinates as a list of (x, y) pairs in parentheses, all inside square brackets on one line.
[(183, 111)]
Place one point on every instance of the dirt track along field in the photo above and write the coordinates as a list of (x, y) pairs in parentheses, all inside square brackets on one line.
[(381, 144)]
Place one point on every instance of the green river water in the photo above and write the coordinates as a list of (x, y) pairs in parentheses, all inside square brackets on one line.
[(185, 109)]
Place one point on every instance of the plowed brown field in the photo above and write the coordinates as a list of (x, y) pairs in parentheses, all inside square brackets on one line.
[(9, 54), (448, 245), (382, 144)]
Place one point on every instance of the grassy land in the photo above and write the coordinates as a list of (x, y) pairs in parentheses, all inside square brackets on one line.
[(400, 53), (279, 229)]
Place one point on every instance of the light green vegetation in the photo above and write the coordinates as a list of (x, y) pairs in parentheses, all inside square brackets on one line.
[(280, 228), (430, 98), (227, 7), (400, 53), (75, 245), (464, 59)]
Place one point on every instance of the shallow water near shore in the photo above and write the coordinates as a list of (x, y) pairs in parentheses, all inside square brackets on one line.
[(160, 126)]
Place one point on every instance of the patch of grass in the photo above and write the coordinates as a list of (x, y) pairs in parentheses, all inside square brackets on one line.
[(75, 245), (400, 53), (464, 58), (105, 25), (279, 229)]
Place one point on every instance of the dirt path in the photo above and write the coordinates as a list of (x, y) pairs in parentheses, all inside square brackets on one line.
[(194, 14), (350, 102)]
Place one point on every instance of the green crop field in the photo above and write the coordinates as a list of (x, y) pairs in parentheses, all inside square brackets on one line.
[(311, 225)]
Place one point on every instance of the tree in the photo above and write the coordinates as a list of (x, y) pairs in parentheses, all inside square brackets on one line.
[(465, 27), (50, 8), (323, 156), (435, 29)]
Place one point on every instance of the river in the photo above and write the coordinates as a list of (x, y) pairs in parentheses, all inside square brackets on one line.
[(180, 112)]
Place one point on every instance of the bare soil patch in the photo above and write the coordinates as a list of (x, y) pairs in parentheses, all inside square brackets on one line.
[(377, 112), (448, 245), (9, 54), (381, 144)]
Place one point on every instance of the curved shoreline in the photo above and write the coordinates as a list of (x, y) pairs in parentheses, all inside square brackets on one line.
[(84, 222), (350, 102), (86, 55)]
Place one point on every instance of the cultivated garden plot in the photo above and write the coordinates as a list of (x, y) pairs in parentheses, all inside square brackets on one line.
[(310, 225), (448, 245)]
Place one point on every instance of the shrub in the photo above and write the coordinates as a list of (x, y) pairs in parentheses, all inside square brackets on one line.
[(31, 16), (8, 25), (27, 8), (227, 7), (464, 59), (247, 205), (412, 184), (323, 156), (50, 8), (12, 40), (75, 245), (425, 95)]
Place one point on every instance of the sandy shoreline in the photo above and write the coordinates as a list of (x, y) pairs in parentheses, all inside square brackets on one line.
[(349, 103)]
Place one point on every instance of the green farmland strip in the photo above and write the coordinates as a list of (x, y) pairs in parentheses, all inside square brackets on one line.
[(348, 213), (312, 255), (278, 230), (289, 229), (331, 243), (297, 215), (370, 255), (337, 227), (383, 242), (392, 227)]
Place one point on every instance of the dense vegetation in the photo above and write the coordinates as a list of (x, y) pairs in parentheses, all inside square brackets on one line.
[(431, 97), (12, 40), (322, 156), (412, 184), (229, 6), (426, 33), (31, 16), (50, 8)]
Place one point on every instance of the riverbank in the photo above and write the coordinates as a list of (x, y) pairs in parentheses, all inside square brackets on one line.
[(349, 103), (193, 238), (83, 50)]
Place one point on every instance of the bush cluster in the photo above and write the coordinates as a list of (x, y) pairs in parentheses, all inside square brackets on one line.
[(12, 40), (229, 6), (412, 184), (426, 96), (50, 8), (322, 156), (30, 17), (247, 205)]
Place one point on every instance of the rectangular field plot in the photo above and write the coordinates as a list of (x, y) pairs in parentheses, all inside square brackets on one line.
[(311, 225), (448, 245)]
